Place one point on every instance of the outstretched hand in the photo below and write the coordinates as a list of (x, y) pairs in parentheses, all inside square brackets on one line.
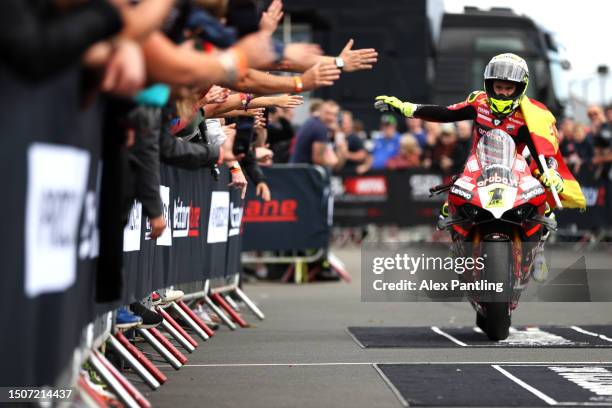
[(320, 75), (272, 16), (357, 60)]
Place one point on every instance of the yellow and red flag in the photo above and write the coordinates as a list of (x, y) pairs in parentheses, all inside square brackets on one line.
[(543, 131)]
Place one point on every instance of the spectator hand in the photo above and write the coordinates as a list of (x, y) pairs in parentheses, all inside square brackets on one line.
[(272, 16), (320, 75), (255, 112), (357, 60), (239, 181), (158, 225), (216, 94), (260, 122), (445, 163), (262, 190), (228, 144), (264, 156), (342, 149), (289, 101), (125, 72), (363, 168)]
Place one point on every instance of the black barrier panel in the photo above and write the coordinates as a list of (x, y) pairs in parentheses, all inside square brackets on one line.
[(52, 243), (195, 245), (399, 197), (49, 157), (296, 217), (234, 235)]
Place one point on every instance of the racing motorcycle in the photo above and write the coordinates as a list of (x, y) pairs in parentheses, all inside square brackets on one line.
[(496, 211)]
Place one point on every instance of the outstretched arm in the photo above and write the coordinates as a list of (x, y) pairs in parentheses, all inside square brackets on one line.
[(431, 113)]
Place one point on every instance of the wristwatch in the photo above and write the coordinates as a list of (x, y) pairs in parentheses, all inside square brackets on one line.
[(339, 62)]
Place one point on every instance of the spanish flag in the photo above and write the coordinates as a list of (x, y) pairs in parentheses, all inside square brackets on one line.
[(543, 131)]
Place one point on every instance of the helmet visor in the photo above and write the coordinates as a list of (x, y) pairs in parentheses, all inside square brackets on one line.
[(505, 70)]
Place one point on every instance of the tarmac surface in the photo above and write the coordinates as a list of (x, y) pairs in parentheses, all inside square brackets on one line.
[(302, 355)]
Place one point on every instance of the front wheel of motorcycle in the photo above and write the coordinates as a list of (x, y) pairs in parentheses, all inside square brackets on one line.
[(498, 269)]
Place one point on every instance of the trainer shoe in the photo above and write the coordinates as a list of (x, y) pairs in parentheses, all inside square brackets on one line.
[(171, 295), (126, 319), (155, 298), (149, 318)]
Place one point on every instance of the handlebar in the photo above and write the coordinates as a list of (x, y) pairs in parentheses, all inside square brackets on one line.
[(439, 189)]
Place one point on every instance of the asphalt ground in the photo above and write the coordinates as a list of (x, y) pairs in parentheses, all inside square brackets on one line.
[(302, 355)]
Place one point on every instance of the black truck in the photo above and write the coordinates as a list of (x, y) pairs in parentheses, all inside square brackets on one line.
[(469, 40), (425, 55)]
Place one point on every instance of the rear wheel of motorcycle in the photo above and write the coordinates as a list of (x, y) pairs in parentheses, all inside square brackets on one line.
[(496, 321)]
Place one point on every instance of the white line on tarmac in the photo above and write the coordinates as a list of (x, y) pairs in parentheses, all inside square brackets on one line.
[(590, 333), (526, 386), (355, 339), (341, 363), (436, 329), (392, 387)]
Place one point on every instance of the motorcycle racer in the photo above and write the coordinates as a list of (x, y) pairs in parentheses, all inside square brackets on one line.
[(503, 105)]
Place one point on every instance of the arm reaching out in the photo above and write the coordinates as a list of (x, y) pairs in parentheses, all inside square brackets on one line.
[(265, 84), (431, 113)]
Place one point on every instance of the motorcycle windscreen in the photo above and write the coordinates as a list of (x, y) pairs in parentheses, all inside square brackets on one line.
[(498, 184), (496, 148)]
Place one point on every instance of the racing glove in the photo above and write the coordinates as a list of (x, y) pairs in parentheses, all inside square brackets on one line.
[(553, 179), (385, 103)]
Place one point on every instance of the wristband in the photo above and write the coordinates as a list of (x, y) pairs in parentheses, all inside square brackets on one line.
[(299, 85), (235, 168), (246, 99)]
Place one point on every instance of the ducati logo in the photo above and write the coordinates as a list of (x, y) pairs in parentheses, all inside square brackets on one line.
[(496, 122)]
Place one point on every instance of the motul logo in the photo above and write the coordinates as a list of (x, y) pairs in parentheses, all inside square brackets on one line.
[(366, 185), (271, 211)]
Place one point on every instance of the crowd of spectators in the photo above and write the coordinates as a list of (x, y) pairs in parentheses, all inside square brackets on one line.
[(338, 141), (187, 83)]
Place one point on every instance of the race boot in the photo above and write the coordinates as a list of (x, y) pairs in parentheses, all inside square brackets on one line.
[(539, 268)]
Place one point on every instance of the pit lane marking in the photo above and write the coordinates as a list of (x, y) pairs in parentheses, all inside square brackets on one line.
[(347, 363), (437, 330), (533, 390), (590, 333)]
